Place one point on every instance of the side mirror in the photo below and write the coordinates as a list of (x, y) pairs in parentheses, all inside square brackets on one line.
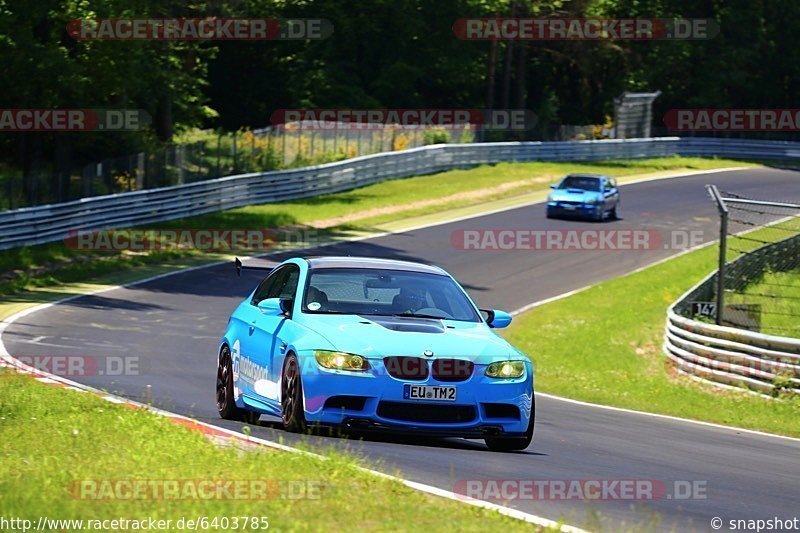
[(286, 306), (553, 185), (497, 319), (276, 306)]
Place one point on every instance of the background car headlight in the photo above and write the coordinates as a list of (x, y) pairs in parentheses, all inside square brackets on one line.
[(506, 369), (341, 361)]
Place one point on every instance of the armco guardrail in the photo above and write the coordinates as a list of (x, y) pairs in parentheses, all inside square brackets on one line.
[(733, 356), (48, 223)]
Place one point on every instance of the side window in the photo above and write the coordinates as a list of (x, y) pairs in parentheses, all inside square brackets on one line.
[(264, 288), (290, 288), (285, 284)]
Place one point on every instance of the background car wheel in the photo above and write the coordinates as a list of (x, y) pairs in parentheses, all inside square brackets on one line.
[(226, 405), (613, 215), (601, 216), (294, 418), (513, 444)]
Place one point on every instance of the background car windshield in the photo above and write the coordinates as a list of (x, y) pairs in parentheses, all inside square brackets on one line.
[(368, 291), (579, 182)]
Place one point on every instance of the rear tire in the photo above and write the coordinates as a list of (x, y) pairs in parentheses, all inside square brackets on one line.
[(294, 418), (226, 405), (514, 444)]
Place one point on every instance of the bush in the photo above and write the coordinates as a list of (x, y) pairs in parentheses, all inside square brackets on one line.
[(435, 137)]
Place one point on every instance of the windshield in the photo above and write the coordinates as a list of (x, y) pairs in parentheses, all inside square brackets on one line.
[(580, 182), (371, 291)]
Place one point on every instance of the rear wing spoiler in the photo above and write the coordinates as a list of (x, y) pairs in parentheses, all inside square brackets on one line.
[(239, 267)]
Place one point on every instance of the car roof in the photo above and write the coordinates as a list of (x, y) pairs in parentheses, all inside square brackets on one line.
[(370, 262)]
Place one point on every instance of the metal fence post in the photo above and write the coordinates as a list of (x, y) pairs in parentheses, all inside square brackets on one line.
[(219, 153), (723, 246), (235, 155), (723, 249)]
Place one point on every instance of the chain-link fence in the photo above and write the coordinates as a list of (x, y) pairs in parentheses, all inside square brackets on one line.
[(758, 287), (213, 154)]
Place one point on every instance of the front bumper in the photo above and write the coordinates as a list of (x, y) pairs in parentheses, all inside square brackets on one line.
[(561, 209), (373, 401)]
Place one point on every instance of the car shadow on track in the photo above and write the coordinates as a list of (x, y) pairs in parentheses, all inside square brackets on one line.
[(336, 435)]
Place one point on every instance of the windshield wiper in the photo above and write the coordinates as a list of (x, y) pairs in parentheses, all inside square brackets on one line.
[(416, 315)]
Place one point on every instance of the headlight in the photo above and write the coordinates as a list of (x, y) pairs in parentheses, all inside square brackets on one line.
[(341, 361), (506, 369)]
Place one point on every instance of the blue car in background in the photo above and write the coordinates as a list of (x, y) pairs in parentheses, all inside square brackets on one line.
[(374, 344), (589, 196)]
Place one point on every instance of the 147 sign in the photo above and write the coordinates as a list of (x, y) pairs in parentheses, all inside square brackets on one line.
[(708, 309)]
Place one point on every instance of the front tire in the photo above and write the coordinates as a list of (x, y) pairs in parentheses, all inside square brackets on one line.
[(601, 215), (226, 405), (514, 444), (292, 413)]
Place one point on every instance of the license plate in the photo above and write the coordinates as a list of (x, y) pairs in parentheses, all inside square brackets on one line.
[(569, 207), (429, 392)]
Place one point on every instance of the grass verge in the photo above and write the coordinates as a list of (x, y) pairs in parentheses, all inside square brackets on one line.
[(57, 442), (594, 347), (361, 210)]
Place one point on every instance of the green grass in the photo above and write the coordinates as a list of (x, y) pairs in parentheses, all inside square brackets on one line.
[(596, 347), (362, 210), (54, 438)]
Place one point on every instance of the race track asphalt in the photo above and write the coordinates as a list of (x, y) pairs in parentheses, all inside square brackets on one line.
[(173, 325)]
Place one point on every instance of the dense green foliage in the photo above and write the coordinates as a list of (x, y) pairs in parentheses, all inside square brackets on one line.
[(383, 53)]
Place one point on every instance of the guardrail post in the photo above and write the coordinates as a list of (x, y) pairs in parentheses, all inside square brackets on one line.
[(723, 248)]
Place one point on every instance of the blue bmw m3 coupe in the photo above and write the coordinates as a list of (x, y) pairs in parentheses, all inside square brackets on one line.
[(374, 345)]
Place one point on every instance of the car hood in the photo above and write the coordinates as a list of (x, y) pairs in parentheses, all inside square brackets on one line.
[(375, 337), (573, 195)]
